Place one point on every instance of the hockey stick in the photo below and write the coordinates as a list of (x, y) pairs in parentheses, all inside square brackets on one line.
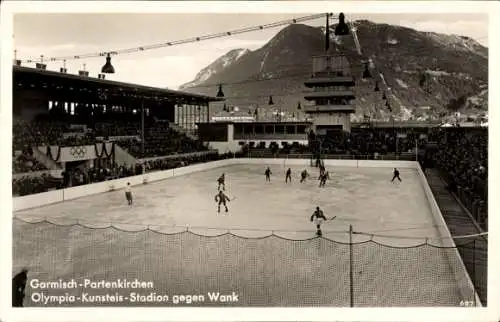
[(328, 219)]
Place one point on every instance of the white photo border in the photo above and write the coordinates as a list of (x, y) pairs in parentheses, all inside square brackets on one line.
[(9, 8)]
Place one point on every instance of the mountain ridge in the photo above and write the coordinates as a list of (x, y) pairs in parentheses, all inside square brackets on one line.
[(453, 65), (222, 62)]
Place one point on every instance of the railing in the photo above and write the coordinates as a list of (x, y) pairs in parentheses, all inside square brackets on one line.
[(328, 108), (326, 93), (343, 76), (270, 136), (477, 208), (178, 156), (266, 153)]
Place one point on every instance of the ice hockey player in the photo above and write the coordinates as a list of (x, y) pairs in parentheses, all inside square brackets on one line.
[(221, 199), (318, 161), (222, 182), (396, 175), (321, 170), (288, 176), (318, 217), (128, 194), (322, 179), (268, 174), (303, 176)]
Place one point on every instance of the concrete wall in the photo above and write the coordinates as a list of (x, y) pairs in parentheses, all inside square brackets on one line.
[(225, 147), (44, 159), (123, 157), (330, 163)]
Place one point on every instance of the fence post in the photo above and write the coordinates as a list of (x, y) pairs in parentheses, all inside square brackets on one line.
[(351, 279)]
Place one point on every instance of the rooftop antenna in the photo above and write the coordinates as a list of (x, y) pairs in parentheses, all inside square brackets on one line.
[(84, 72), (41, 65), (63, 69), (17, 62)]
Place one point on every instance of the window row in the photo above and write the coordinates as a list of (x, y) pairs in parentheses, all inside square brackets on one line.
[(269, 129)]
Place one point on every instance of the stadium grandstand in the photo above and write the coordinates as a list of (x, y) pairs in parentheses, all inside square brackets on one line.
[(60, 121)]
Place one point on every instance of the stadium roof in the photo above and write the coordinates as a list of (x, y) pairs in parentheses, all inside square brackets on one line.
[(64, 81)]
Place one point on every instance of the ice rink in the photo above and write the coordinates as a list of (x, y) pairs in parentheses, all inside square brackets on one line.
[(362, 197), (313, 272)]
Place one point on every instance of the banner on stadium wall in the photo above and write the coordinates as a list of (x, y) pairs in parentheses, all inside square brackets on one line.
[(104, 150), (78, 153)]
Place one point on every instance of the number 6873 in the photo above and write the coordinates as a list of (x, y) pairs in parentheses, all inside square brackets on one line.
[(467, 303)]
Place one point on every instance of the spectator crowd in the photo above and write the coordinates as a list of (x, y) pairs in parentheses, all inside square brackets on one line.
[(460, 154), (462, 159), (23, 161), (160, 140)]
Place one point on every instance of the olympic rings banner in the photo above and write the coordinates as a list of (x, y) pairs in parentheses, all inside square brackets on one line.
[(78, 153)]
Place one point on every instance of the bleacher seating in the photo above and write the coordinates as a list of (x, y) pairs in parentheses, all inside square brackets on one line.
[(23, 161), (117, 129), (160, 140), (28, 135), (28, 185), (462, 158)]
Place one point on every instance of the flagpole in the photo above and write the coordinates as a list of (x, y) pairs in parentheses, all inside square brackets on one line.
[(327, 35)]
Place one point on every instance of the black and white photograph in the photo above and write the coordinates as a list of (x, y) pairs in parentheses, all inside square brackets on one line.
[(317, 159)]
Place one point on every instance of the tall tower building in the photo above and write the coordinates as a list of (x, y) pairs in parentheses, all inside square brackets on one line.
[(330, 94)]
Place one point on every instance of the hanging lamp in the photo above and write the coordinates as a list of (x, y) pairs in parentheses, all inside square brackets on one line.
[(342, 29), (366, 72), (220, 93), (108, 68)]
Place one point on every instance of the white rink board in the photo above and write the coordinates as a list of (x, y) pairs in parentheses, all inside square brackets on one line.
[(50, 197)]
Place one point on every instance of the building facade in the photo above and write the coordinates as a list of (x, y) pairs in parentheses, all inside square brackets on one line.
[(330, 94)]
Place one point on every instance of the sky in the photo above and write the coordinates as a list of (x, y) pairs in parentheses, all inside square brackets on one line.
[(73, 34)]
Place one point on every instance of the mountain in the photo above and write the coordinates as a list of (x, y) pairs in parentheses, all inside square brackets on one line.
[(216, 67), (430, 75)]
